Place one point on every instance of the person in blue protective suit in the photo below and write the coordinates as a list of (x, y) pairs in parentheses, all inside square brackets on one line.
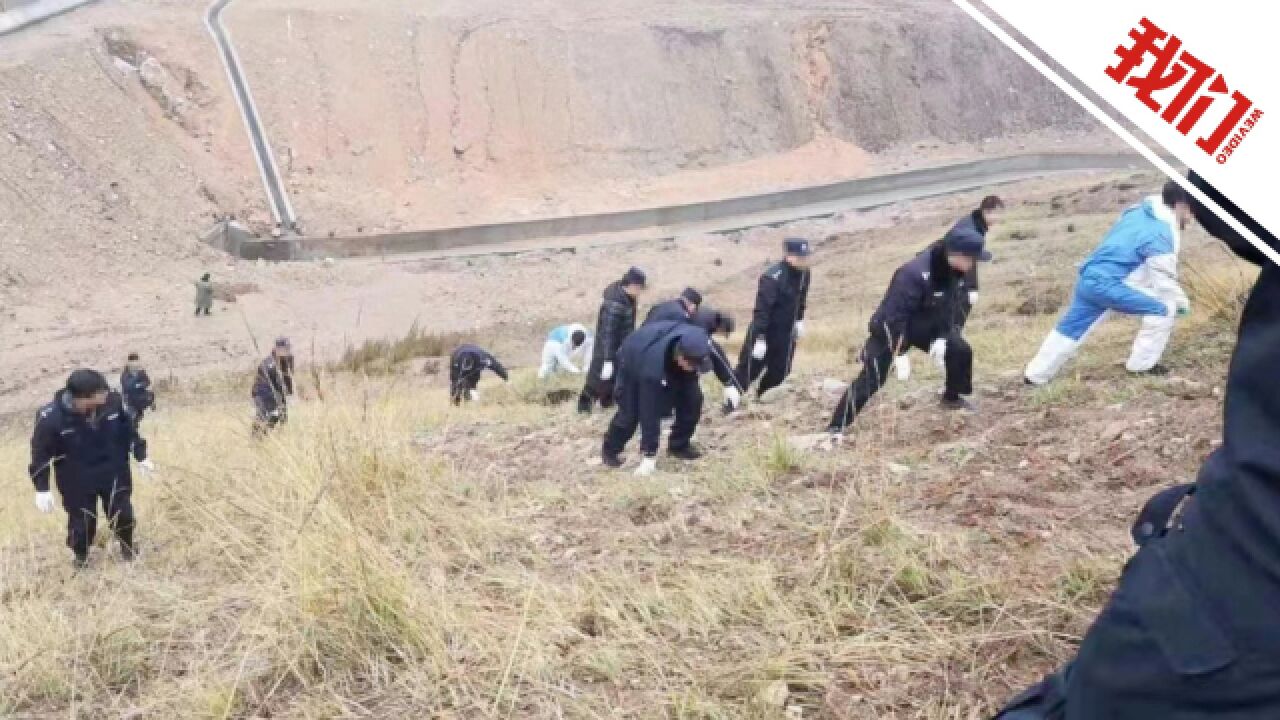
[(563, 344), (658, 370), (1135, 272), (84, 438), (1190, 633)]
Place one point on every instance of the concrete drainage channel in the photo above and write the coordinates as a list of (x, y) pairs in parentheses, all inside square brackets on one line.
[(277, 195), (716, 216), (19, 14)]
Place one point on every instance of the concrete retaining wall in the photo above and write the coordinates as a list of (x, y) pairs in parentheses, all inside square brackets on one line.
[(718, 215), (19, 14)]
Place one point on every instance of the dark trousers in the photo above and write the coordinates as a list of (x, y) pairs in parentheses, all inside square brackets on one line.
[(685, 398), (877, 363), (595, 391), (775, 366), (81, 504), (270, 414)]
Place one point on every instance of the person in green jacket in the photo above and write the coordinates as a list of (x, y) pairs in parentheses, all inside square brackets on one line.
[(204, 295)]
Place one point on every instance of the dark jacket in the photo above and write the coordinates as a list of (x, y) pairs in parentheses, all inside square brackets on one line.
[(972, 224), (274, 382), (617, 320), (922, 302), (781, 297), (674, 311), (649, 376), (466, 363), (669, 311), (81, 453), (136, 388)]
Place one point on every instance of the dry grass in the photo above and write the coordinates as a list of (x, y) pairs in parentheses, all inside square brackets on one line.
[(385, 555)]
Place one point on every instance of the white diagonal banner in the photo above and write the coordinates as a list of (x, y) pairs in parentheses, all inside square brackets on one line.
[(1195, 77)]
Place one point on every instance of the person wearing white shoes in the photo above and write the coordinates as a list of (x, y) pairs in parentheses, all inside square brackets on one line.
[(1133, 272), (84, 438)]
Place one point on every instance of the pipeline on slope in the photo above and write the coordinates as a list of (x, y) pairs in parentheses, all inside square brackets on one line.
[(277, 196)]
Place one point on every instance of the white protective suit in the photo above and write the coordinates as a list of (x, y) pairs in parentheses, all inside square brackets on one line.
[(558, 353)]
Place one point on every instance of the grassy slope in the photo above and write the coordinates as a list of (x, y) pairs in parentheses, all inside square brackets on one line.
[(386, 556)]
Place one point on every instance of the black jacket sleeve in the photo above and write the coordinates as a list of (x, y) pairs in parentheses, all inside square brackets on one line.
[(766, 298), (497, 367), (45, 450), (721, 367), (803, 300), (906, 295), (286, 376), (971, 278), (614, 329)]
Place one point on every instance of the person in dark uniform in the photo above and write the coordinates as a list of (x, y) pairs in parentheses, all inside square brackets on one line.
[(85, 438), (682, 308), (658, 369), (978, 222), (921, 309), (617, 320), (135, 386), (466, 364), (1190, 631), (272, 387), (778, 320)]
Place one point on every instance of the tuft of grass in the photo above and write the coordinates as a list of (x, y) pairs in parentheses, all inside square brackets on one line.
[(387, 356)]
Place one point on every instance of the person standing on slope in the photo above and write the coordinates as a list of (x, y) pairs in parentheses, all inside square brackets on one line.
[(563, 344), (272, 387), (85, 437), (921, 309), (204, 295), (658, 370), (135, 386), (616, 320), (778, 321), (1135, 272)]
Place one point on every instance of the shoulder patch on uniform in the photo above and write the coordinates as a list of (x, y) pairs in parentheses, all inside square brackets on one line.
[(774, 274), (925, 274)]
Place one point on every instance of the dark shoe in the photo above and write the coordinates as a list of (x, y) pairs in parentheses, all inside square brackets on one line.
[(1156, 370), (127, 553), (80, 562), (1027, 381), (611, 460), (834, 431), (959, 403), (688, 452)]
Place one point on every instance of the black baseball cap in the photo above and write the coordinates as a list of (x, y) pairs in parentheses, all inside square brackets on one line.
[(797, 246), (970, 244)]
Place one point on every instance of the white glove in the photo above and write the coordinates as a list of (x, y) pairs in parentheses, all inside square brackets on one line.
[(732, 397), (648, 466), (146, 466), (799, 329), (902, 366), (938, 351), (606, 371), (44, 502), (473, 395), (758, 351), (973, 297)]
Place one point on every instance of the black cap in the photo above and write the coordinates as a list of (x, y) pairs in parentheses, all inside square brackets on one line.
[(968, 243), (635, 276), (713, 321), (133, 356), (797, 246), (283, 343), (693, 296), (84, 382), (696, 346)]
